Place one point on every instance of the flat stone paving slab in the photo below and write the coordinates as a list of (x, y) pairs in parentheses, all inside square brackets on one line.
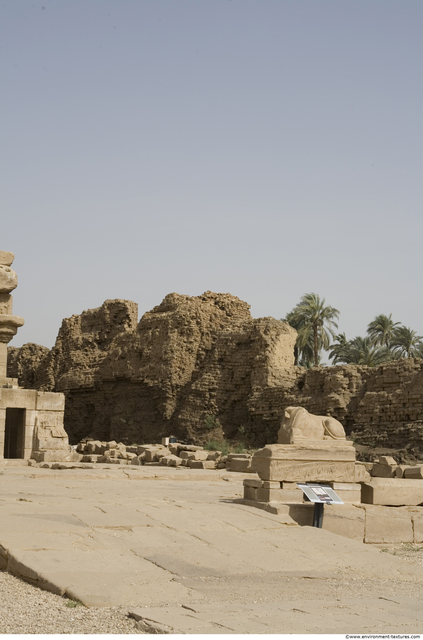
[(184, 558)]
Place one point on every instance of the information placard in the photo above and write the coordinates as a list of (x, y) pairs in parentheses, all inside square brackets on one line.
[(320, 493)]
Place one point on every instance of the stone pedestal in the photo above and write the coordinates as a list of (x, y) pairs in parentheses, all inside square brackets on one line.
[(313, 461)]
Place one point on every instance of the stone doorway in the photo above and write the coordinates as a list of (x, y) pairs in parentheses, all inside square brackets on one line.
[(14, 433)]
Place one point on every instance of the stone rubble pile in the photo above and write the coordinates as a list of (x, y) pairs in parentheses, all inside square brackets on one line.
[(176, 454)]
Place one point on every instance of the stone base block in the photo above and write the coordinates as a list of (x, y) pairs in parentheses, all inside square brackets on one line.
[(306, 463), (344, 520), (54, 456), (384, 524), (392, 491), (349, 492)]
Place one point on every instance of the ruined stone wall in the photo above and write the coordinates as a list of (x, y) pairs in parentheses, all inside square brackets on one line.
[(380, 406), (24, 362), (187, 368), (202, 367)]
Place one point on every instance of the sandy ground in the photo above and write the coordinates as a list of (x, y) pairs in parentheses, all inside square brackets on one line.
[(25, 609)]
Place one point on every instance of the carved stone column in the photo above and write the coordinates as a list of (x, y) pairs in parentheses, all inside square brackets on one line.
[(9, 323)]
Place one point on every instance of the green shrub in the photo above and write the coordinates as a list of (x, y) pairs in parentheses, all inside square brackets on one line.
[(211, 422)]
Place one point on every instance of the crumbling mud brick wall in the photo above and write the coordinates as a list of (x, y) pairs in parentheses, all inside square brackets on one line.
[(188, 367), (200, 368), (378, 406)]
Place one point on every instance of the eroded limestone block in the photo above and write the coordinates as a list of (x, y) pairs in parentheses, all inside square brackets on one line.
[(383, 470), (170, 460), (201, 464), (361, 473), (200, 454), (187, 455), (6, 258), (6, 304), (240, 465), (8, 279), (414, 472), (392, 491), (299, 425), (214, 455), (399, 471)]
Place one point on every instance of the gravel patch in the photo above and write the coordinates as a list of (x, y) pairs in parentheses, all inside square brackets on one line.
[(27, 609)]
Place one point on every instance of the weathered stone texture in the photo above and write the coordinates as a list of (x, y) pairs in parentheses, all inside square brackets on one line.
[(201, 367), (24, 362)]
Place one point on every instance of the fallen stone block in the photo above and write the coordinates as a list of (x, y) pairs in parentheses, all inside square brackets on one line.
[(174, 461), (132, 449), (150, 454), (414, 472), (137, 460), (392, 491), (187, 455), (173, 448), (170, 460), (189, 447), (240, 465), (214, 455), (399, 471), (161, 453), (201, 464), (93, 447), (387, 460), (387, 525), (201, 454), (383, 470)]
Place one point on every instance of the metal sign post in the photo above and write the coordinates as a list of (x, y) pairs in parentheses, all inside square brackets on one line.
[(320, 494)]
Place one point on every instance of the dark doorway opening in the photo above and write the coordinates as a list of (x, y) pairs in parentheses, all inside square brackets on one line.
[(14, 434)]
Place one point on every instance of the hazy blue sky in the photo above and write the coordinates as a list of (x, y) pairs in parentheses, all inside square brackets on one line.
[(266, 148)]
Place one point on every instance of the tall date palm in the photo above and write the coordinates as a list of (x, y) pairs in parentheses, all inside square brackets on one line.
[(406, 343), (382, 330), (311, 318)]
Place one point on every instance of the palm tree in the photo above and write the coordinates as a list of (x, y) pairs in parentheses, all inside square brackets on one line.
[(364, 351), (340, 349), (406, 343), (419, 351), (382, 330), (313, 321), (303, 349)]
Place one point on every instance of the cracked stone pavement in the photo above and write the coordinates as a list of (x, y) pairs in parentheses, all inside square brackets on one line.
[(172, 546)]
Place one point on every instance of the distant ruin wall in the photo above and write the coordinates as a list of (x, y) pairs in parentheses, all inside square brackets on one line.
[(202, 367), (379, 406)]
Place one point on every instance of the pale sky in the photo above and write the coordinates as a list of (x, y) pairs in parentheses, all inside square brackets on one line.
[(265, 148)]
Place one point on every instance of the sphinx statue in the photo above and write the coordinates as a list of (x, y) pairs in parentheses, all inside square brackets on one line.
[(298, 425)]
